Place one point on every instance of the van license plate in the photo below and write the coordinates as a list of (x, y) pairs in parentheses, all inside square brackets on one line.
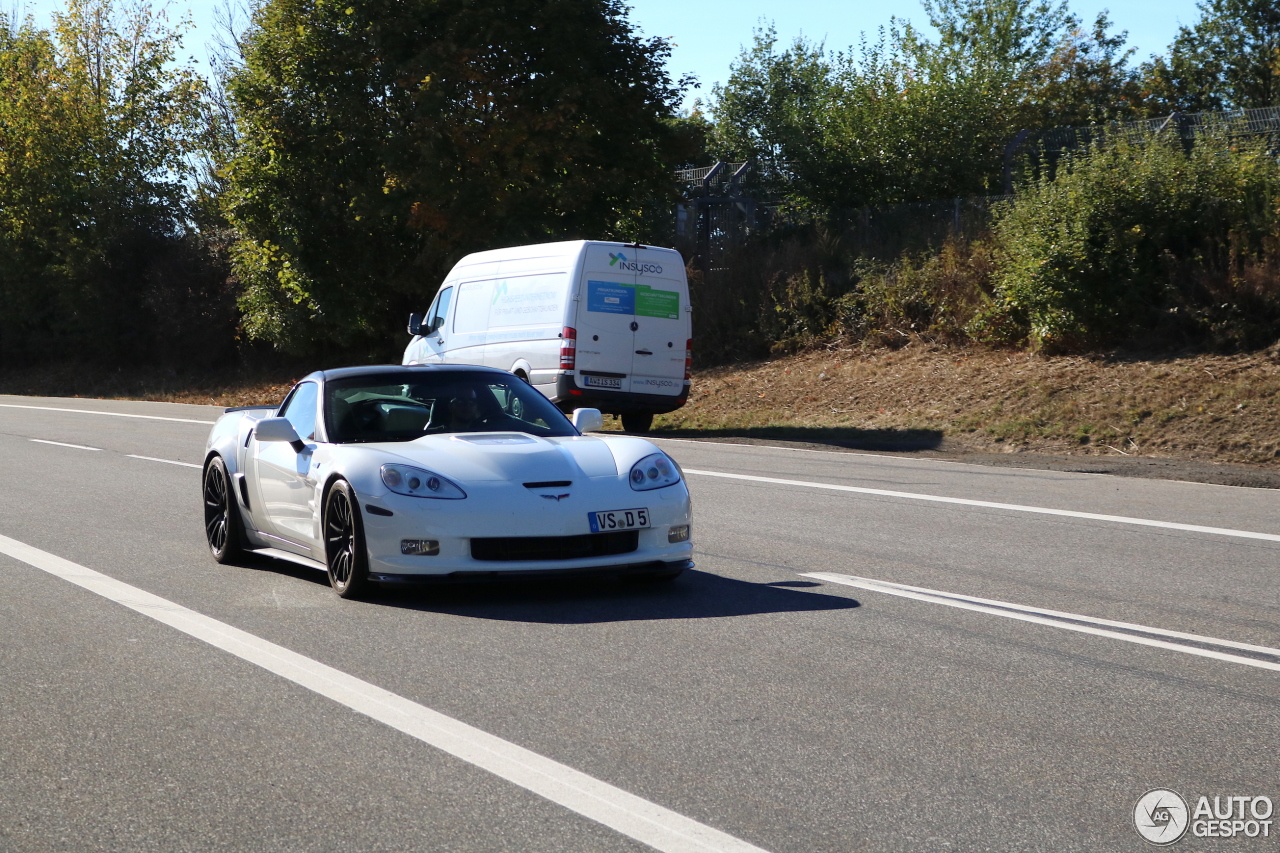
[(602, 381), (618, 519)]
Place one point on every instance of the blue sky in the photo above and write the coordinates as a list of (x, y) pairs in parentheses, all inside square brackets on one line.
[(709, 34)]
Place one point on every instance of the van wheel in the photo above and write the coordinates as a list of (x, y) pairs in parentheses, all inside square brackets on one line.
[(637, 421)]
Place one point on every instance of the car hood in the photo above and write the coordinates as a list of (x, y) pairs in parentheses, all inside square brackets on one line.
[(510, 457)]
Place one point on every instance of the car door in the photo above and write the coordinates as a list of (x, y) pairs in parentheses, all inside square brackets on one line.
[(284, 476)]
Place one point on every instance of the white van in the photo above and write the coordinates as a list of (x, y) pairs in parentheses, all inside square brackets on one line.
[(589, 324)]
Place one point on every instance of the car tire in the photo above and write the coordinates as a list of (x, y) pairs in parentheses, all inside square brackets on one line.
[(223, 526), (637, 421), (346, 559)]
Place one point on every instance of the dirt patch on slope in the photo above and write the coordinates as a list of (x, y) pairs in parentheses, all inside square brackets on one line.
[(1209, 418)]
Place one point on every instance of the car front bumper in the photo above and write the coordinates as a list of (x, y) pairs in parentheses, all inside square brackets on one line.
[(502, 512)]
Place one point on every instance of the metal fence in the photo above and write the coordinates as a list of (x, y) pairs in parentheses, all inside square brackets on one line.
[(1262, 121)]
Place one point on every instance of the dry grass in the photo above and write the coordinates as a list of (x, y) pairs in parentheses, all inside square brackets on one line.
[(1205, 407)]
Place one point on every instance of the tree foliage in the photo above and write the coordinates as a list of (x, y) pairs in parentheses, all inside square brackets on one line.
[(1136, 236), (904, 117), (1230, 59), (97, 129), (379, 140)]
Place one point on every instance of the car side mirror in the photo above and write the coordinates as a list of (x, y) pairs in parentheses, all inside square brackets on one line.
[(278, 429), (415, 324), (588, 420)]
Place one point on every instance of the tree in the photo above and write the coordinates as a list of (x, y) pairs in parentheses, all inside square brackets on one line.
[(1084, 80), (771, 111), (906, 118), (1015, 34), (379, 140), (1230, 59), (97, 130)]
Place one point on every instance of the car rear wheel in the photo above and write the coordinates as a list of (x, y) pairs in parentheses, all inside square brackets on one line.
[(223, 527), (637, 421), (348, 562)]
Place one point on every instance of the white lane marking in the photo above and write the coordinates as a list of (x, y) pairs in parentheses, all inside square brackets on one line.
[(168, 461), (849, 452), (1092, 516), (111, 414), (1041, 616), (933, 459), (62, 444), (646, 822)]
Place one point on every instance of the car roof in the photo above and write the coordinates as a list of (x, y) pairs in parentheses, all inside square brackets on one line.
[(407, 370)]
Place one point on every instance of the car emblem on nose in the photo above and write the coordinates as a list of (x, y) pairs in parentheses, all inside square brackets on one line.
[(556, 497)]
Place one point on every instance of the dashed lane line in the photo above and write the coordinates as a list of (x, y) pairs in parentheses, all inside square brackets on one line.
[(166, 461), (63, 444), (109, 414)]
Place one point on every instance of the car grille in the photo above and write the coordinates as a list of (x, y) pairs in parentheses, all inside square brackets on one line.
[(509, 548)]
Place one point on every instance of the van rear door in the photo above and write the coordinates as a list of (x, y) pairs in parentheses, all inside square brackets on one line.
[(661, 322), (606, 311)]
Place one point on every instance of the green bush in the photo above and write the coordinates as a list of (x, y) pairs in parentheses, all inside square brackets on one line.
[(1138, 241)]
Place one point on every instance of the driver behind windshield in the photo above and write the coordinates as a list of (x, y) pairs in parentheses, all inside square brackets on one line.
[(465, 413)]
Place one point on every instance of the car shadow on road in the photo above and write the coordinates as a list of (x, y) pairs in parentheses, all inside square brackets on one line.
[(900, 440), (694, 595)]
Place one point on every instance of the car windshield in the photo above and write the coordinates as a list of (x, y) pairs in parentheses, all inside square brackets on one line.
[(400, 407)]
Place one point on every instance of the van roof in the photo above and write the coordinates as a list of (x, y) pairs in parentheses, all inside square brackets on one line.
[(566, 249)]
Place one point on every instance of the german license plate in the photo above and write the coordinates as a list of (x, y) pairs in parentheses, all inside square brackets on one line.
[(602, 381), (618, 519)]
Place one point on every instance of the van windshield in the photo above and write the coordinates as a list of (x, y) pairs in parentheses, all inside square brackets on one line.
[(398, 407)]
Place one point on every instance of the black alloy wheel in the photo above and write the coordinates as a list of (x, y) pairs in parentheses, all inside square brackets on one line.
[(344, 542), (222, 523)]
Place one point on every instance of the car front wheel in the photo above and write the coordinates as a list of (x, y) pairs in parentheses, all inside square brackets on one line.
[(348, 562), (222, 524)]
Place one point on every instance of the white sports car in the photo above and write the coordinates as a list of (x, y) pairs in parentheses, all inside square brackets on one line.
[(439, 472)]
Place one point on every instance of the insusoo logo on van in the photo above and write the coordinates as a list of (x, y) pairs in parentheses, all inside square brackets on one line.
[(620, 261)]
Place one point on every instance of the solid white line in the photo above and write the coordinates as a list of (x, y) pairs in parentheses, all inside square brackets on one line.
[(62, 444), (111, 414), (849, 452), (626, 813), (933, 459), (168, 461), (1092, 516), (1037, 616)]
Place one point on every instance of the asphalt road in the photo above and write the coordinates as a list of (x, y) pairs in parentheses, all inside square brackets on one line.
[(789, 712)]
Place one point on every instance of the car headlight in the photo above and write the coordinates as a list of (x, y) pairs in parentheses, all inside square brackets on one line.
[(420, 483), (653, 472)]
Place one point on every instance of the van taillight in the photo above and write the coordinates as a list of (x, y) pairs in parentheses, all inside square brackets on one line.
[(568, 348), (688, 359)]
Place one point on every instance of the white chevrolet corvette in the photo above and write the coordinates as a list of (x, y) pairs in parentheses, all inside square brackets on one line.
[(435, 473)]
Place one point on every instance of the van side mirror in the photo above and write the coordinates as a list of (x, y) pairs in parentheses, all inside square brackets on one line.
[(278, 429), (588, 420), (415, 324)]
